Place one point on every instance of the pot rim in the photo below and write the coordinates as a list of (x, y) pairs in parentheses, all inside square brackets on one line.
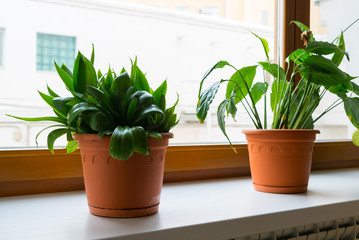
[(94, 136), (264, 131)]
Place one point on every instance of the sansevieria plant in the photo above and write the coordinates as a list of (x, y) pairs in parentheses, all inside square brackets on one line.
[(121, 105)]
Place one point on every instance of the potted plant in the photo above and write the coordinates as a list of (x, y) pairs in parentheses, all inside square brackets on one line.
[(122, 129), (280, 157)]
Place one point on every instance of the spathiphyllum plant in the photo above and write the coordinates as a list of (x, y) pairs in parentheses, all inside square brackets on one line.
[(292, 103), (121, 105)]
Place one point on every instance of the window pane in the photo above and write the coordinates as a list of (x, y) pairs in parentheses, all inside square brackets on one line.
[(1, 46), (174, 40), (49, 47), (328, 19)]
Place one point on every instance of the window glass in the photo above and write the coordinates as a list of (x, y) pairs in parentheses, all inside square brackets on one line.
[(1, 46), (174, 40), (51, 47), (328, 19)]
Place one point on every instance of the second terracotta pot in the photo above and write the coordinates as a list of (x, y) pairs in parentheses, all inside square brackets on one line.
[(280, 160), (116, 188)]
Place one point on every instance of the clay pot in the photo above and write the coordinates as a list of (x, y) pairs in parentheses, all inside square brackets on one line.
[(116, 188), (280, 160)]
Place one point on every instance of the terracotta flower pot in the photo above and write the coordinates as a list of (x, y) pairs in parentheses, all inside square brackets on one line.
[(280, 160), (116, 188)]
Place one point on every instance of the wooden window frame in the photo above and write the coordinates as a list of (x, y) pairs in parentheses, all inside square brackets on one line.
[(39, 171)]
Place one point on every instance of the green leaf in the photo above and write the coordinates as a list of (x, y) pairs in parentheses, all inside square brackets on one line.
[(221, 118), (140, 140), (338, 56), (160, 91), (220, 64), (131, 110), (302, 26), (101, 122), (93, 55), (79, 109), (258, 90), (51, 93), (140, 80), (38, 119), (274, 69), (351, 106), (323, 71), (264, 43), (155, 135), (241, 81), (232, 109), (298, 56), (84, 74), (71, 146), (65, 77), (324, 48), (205, 100), (122, 143), (49, 100), (121, 84), (278, 89), (53, 136), (147, 111)]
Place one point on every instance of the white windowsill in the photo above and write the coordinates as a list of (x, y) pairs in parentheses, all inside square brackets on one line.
[(215, 209)]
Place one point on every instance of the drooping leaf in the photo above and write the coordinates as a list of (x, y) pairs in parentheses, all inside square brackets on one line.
[(355, 138), (71, 146), (241, 81), (232, 109), (338, 56), (351, 106), (38, 119), (258, 90), (219, 64), (122, 143), (221, 118), (53, 136), (324, 48), (205, 100), (147, 111), (101, 122), (264, 44), (139, 140), (323, 71), (302, 26), (79, 109)]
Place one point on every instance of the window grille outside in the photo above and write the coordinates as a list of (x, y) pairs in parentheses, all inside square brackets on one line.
[(51, 47)]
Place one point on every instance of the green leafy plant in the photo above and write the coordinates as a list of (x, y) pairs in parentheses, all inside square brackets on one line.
[(121, 105), (292, 103)]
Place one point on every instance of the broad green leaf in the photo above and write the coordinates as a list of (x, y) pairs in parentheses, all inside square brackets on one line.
[(53, 136), (102, 97), (71, 146), (323, 71), (258, 90), (155, 135), (79, 109), (122, 143), (66, 78), (160, 91), (351, 106), (338, 56), (221, 118), (84, 74), (324, 48), (232, 109), (63, 67), (241, 81), (139, 140), (274, 69), (60, 103), (49, 100), (302, 26), (147, 111), (101, 122), (298, 56), (121, 84), (355, 88), (220, 64), (264, 43), (140, 81), (205, 100), (131, 110)]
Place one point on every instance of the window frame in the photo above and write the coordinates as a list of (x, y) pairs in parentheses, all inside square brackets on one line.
[(31, 171)]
